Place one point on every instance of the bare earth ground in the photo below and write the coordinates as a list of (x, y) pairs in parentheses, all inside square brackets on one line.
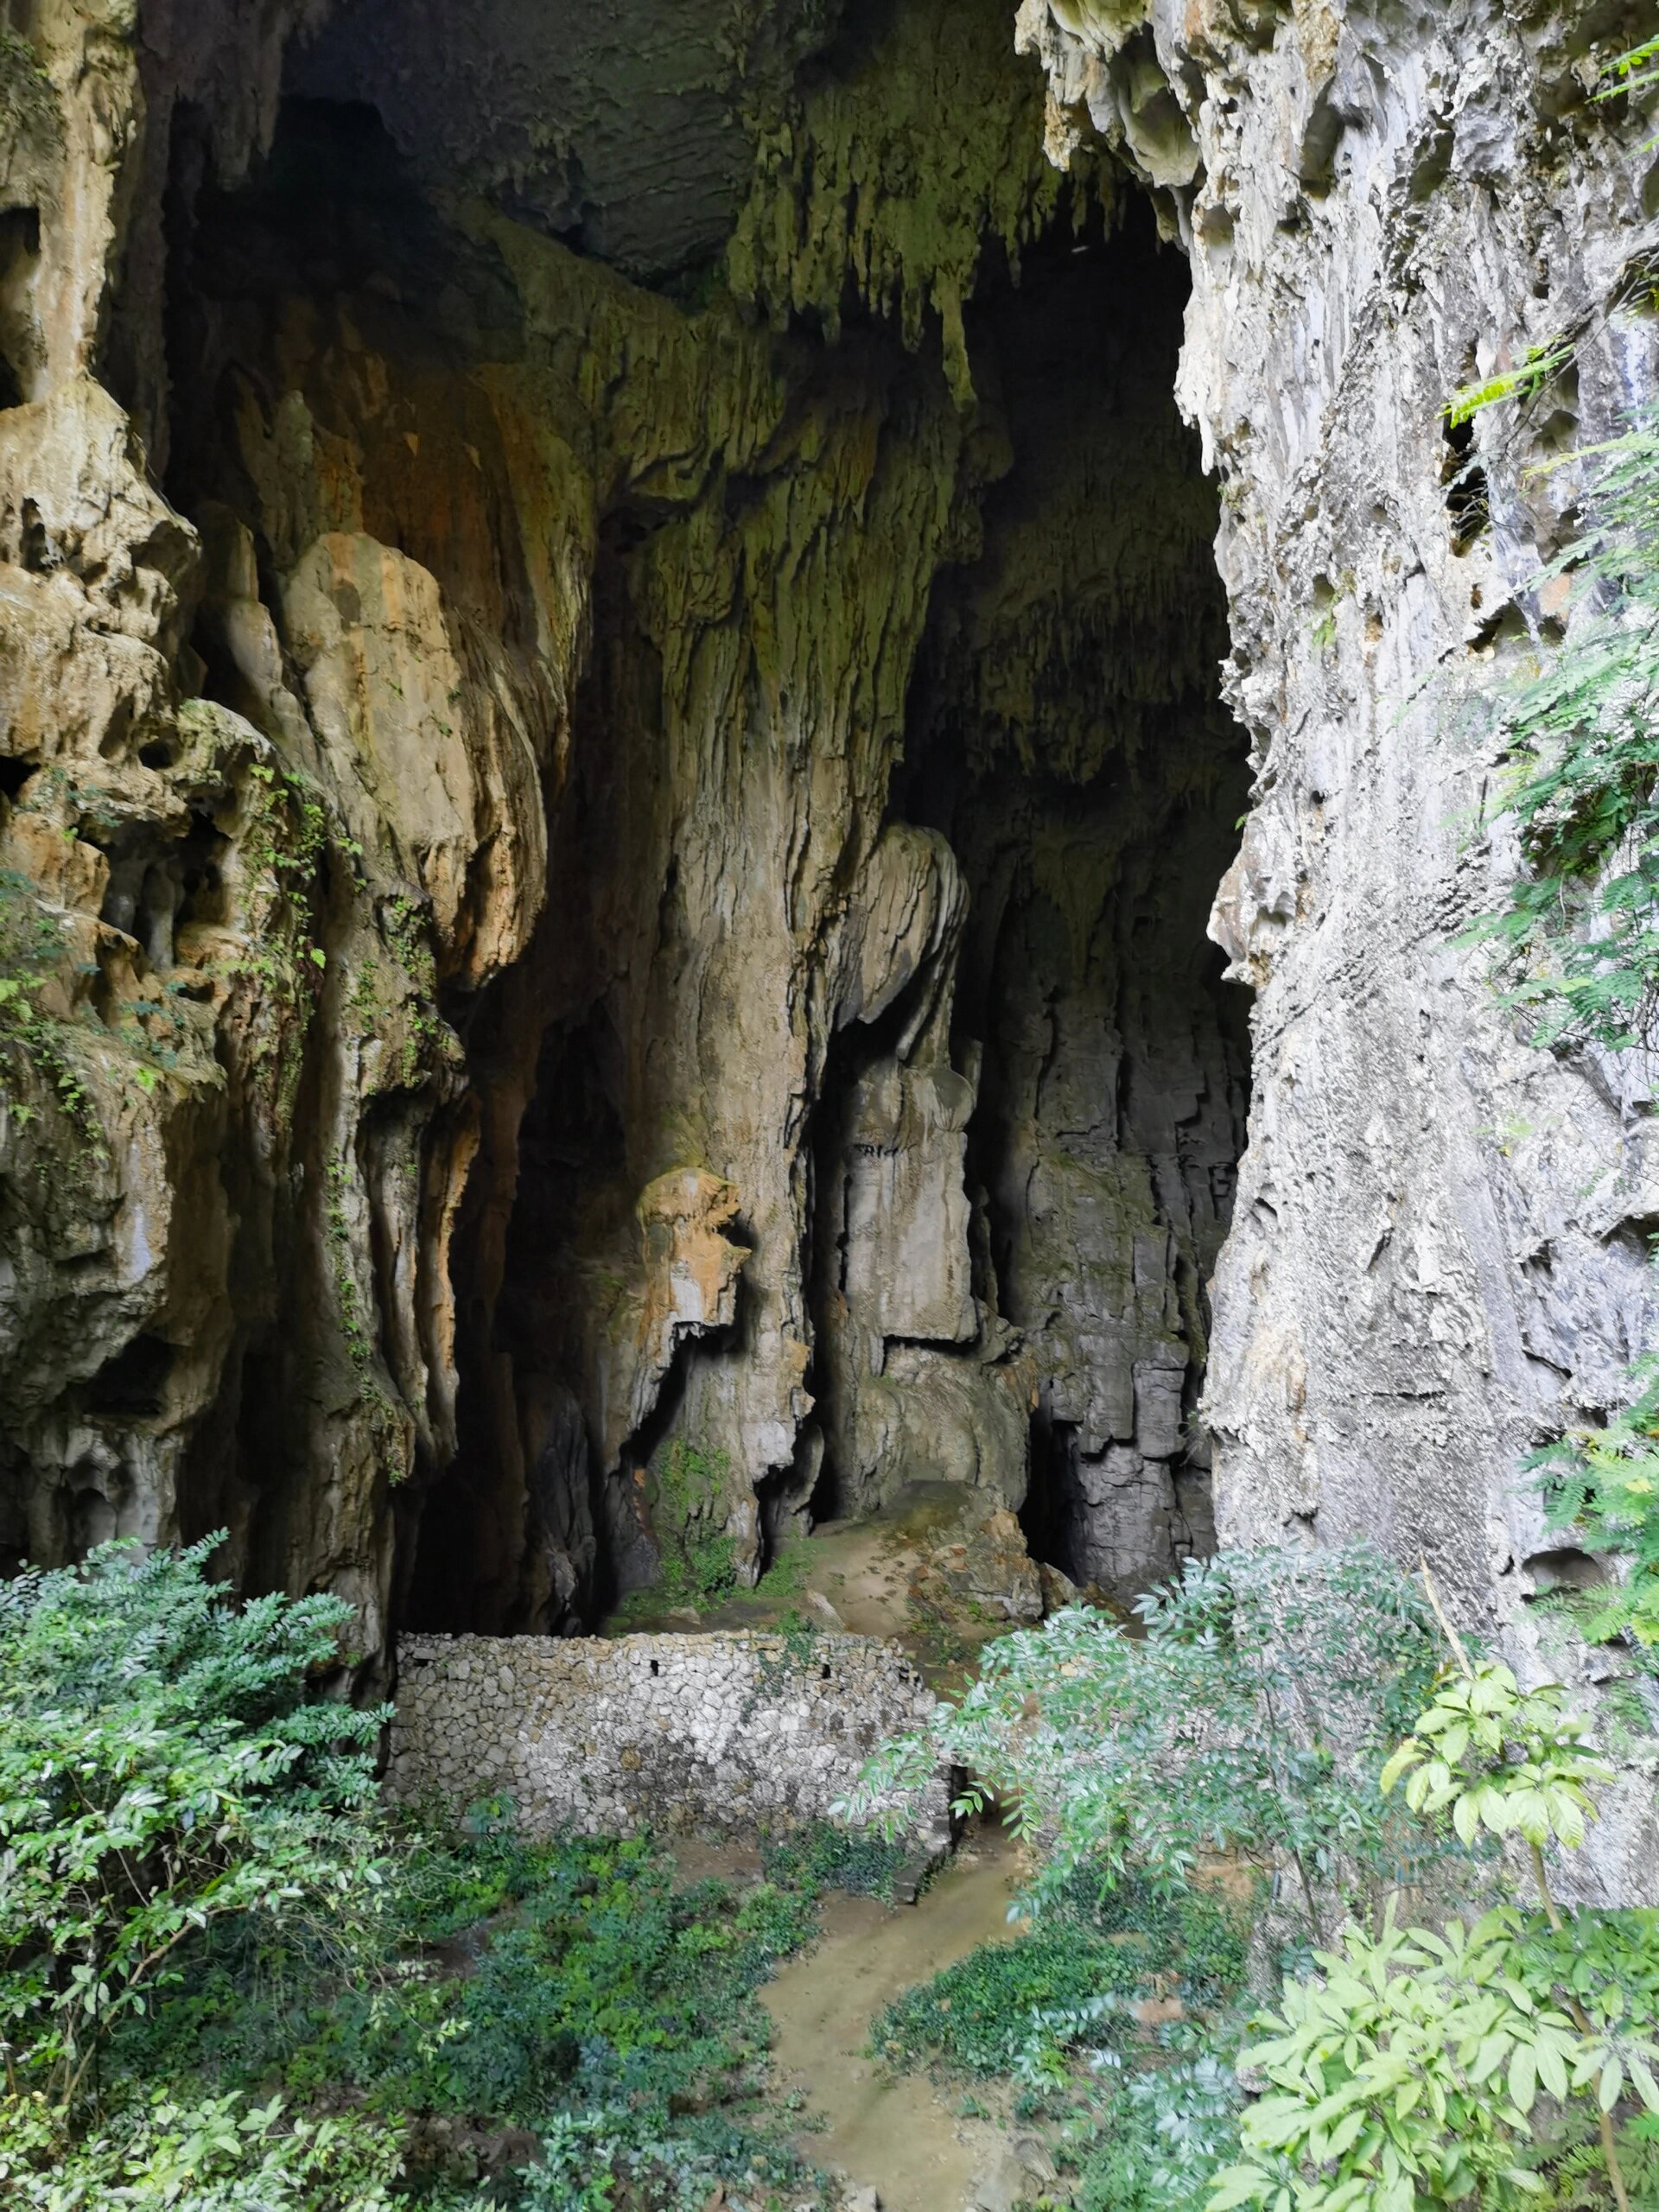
[(875, 1577)]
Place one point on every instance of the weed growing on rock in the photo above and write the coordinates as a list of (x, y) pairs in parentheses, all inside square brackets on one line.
[(1579, 938), (698, 1563), (33, 1042), (1602, 1485)]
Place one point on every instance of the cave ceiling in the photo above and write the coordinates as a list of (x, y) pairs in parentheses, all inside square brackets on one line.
[(622, 127)]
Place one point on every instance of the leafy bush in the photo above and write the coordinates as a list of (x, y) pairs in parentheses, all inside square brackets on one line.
[(1407, 2071), (515, 1984), (161, 1767), (1246, 1719), (1579, 937), (980, 2014), (1160, 2132), (823, 1856), (698, 1560), (1603, 1485), (1014, 2007), (218, 2154), (229, 1981)]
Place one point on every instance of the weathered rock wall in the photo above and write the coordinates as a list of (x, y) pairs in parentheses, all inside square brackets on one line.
[(602, 872), (448, 833), (1440, 1241), (729, 1734)]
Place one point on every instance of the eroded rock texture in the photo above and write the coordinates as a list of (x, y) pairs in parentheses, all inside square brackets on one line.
[(1441, 1234), (612, 771), (570, 852)]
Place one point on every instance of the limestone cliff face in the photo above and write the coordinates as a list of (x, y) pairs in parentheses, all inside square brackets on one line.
[(1441, 1235), (1440, 1241), (612, 770)]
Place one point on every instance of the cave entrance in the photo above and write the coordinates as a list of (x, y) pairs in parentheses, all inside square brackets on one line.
[(1067, 738), (973, 1237)]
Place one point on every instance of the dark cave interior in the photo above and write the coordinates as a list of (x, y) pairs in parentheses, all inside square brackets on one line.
[(1063, 735)]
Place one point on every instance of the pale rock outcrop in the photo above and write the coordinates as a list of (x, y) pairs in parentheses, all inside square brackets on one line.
[(1440, 1249)]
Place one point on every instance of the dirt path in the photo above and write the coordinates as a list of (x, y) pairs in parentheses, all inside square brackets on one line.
[(892, 2133)]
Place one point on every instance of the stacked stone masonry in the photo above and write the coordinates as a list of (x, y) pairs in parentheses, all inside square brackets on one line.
[(737, 1734)]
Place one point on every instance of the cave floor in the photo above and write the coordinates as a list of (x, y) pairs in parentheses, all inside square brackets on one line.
[(937, 1571)]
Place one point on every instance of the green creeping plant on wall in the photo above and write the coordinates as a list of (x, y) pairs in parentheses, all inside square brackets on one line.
[(1577, 939)]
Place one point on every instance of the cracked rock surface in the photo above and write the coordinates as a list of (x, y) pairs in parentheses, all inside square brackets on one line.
[(613, 768)]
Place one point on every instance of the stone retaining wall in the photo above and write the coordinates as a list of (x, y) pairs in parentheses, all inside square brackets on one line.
[(736, 1734)]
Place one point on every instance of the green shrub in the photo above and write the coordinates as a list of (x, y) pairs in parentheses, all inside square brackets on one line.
[(1015, 2007), (1160, 2133), (1579, 936), (1602, 1485), (980, 2014), (216, 2154), (823, 1856), (1248, 1717), (162, 1767), (229, 1981), (698, 1560), (1417, 2068)]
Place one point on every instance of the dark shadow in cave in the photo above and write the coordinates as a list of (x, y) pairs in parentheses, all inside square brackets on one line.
[(1066, 740), (523, 1530), (1066, 735)]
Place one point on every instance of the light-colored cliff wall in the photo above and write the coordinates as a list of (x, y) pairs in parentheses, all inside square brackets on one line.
[(1441, 1239)]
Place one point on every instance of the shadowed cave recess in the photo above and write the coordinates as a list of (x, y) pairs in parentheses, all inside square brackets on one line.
[(859, 1109)]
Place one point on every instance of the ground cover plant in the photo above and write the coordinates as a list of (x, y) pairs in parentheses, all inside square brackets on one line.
[(1503, 2054), (228, 1978), (1101, 2024), (1248, 1716)]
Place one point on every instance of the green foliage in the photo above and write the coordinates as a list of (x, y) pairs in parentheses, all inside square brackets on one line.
[(229, 1982), (982, 2014), (1571, 2167), (1016, 2007), (785, 1577), (1578, 939), (214, 2154), (1247, 1719), (1495, 1757), (698, 1566), (594, 2161), (586, 1975), (564, 1987), (1543, 362), (1603, 1485), (161, 1767), (1635, 72), (822, 1856), (1161, 2131), (1407, 2072), (1405, 2075), (33, 1041)]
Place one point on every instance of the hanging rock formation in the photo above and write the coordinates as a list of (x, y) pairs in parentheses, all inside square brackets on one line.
[(614, 766)]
